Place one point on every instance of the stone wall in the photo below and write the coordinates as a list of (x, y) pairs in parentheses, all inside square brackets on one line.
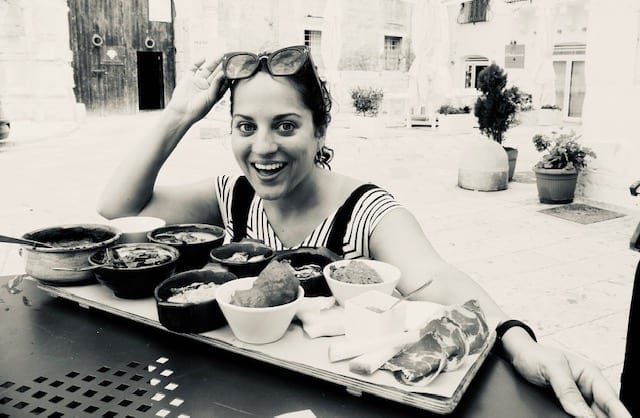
[(36, 77)]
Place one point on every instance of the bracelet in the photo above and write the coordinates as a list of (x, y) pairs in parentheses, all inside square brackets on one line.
[(505, 326)]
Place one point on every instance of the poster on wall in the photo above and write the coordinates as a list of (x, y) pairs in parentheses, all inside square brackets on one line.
[(160, 11), (514, 56)]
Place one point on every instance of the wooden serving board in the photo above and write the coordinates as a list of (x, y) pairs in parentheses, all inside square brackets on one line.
[(295, 351)]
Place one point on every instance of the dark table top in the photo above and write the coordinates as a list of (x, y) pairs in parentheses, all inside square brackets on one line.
[(60, 359)]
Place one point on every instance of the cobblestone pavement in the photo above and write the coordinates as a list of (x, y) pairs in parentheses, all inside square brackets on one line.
[(571, 282)]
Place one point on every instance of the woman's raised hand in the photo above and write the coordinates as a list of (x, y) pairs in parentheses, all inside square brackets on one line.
[(579, 385), (199, 89)]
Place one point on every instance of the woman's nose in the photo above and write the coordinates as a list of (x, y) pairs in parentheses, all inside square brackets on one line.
[(263, 143)]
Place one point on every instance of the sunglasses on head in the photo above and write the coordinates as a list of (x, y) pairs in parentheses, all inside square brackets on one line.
[(283, 62)]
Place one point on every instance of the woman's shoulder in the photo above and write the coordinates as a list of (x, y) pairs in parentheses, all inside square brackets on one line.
[(348, 185)]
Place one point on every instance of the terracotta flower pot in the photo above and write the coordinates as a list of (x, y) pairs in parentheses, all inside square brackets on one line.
[(556, 185)]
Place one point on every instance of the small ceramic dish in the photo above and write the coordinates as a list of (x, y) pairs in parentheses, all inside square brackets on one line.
[(186, 301), (244, 258)]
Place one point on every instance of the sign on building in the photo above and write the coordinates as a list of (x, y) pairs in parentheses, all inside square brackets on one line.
[(514, 56), (112, 55)]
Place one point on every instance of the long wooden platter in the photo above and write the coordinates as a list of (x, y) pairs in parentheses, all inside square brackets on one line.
[(296, 352)]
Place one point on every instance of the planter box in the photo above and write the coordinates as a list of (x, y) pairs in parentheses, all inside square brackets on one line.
[(548, 117), (366, 126), (463, 123)]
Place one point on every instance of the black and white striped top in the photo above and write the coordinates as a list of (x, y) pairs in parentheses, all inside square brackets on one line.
[(367, 212)]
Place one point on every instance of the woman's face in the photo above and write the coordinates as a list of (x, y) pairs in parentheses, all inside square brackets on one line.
[(273, 137)]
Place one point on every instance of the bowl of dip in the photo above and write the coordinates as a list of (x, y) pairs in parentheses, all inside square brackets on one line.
[(133, 270), (244, 258), (187, 301), (350, 278), (194, 241)]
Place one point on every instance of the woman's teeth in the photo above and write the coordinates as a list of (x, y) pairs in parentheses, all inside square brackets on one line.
[(271, 167)]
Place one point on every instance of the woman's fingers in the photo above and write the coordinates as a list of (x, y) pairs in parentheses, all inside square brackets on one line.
[(197, 64), (560, 377), (209, 66)]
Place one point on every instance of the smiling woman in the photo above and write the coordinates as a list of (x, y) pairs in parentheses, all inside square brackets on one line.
[(288, 198)]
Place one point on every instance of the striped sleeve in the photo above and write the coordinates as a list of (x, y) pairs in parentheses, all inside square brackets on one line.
[(368, 212)]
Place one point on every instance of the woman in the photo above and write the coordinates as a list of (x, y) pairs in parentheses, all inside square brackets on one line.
[(280, 112)]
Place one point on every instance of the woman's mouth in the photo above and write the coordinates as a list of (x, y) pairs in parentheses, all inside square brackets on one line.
[(268, 169)]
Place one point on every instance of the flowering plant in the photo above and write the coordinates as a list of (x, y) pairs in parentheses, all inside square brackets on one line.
[(563, 150)]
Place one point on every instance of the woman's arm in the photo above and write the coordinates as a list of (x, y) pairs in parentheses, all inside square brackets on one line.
[(399, 240), (580, 386), (131, 190)]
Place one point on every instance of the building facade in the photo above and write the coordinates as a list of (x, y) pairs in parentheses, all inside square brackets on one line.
[(60, 57)]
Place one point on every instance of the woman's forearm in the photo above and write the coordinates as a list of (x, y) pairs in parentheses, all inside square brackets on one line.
[(452, 286), (131, 186)]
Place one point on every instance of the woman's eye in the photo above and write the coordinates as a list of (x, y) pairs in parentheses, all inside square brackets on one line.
[(286, 127), (246, 128)]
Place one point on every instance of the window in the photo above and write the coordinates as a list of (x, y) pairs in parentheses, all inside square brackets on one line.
[(473, 66), (392, 48), (313, 39), (570, 86), (473, 11)]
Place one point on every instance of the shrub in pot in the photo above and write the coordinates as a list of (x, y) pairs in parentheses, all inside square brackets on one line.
[(497, 107), (557, 172), (366, 101)]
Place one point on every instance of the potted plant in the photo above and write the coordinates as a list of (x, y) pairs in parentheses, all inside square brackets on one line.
[(496, 108), (549, 114), (557, 172), (366, 102), (455, 120)]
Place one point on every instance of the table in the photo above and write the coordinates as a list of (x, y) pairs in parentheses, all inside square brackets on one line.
[(60, 359)]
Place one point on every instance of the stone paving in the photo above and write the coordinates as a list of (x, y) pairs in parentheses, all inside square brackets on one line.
[(571, 282)]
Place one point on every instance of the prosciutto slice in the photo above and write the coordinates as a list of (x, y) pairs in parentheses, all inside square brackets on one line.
[(420, 363), (452, 340), (445, 343), (471, 320)]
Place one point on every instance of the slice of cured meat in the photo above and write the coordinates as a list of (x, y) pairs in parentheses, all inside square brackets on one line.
[(419, 363), (470, 318), (452, 340)]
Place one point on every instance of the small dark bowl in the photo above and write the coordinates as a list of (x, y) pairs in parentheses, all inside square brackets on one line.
[(243, 269), (134, 282), (193, 255), (195, 317), (314, 286)]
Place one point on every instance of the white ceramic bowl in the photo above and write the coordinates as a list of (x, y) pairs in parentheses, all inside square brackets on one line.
[(256, 325), (136, 228), (342, 291)]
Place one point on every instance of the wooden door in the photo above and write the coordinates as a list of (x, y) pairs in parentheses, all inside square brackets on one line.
[(106, 38)]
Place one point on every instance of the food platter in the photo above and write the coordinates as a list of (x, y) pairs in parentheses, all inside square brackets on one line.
[(296, 351)]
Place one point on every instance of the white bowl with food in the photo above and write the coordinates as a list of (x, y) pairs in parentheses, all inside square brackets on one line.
[(350, 278), (260, 309)]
